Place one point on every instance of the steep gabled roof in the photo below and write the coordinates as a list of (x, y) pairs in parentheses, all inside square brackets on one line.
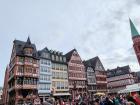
[(69, 54), (118, 71), (91, 62), (19, 48), (44, 50)]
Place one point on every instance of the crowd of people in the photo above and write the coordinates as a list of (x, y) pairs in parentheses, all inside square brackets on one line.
[(110, 99)]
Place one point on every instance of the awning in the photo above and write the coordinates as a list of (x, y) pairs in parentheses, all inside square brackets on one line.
[(129, 90), (61, 94)]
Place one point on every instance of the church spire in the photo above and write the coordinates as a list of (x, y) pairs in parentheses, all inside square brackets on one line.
[(134, 31)]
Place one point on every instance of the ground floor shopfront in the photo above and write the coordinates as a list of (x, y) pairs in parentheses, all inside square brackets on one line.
[(44, 96), (78, 91)]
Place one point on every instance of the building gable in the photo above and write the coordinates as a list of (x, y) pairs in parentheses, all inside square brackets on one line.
[(99, 66), (73, 55)]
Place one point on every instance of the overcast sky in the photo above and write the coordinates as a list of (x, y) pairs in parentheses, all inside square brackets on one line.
[(94, 27)]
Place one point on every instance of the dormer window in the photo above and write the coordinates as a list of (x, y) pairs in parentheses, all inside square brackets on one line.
[(118, 72), (89, 69), (64, 59), (21, 59), (52, 57), (28, 51), (60, 58), (28, 47), (45, 55), (57, 59)]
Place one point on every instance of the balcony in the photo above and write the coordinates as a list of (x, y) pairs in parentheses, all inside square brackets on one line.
[(27, 74), (78, 86), (30, 74), (24, 86), (19, 74), (31, 64), (28, 96), (28, 63), (20, 63), (28, 86)]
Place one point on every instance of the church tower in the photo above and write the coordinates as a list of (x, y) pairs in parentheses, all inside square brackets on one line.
[(136, 40)]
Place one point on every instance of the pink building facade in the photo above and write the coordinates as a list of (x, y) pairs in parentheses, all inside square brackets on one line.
[(76, 72)]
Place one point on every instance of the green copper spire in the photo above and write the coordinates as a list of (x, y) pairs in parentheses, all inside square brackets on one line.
[(134, 31)]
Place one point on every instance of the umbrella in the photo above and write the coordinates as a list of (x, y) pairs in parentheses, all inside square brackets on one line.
[(99, 93)]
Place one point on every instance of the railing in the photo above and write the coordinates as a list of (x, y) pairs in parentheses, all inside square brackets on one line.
[(26, 86), (27, 74)]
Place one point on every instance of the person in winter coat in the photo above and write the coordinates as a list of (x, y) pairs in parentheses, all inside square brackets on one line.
[(131, 100), (116, 101), (137, 98), (108, 101)]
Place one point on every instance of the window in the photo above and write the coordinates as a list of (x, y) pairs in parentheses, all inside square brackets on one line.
[(19, 81), (65, 68), (53, 84), (53, 75), (53, 57), (62, 85), (21, 59), (60, 58), (29, 60), (34, 81), (64, 59), (58, 85), (34, 71), (53, 66), (45, 77), (20, 69), (43, 61), (49, 70), (28, 69), (49, 78), (45, 55), (65, 76), (57, 58), (66, 85), (28, 51), (56, 75), (47, 87)]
